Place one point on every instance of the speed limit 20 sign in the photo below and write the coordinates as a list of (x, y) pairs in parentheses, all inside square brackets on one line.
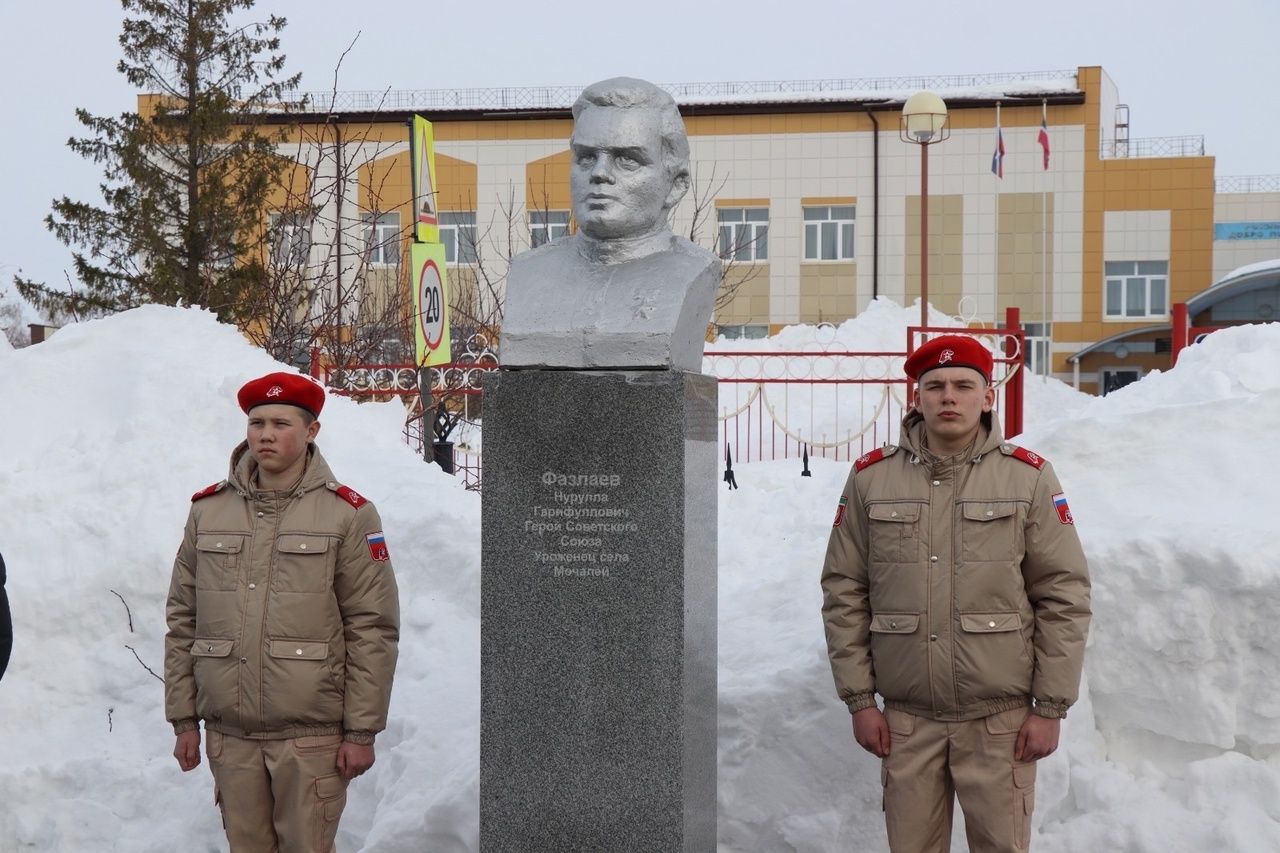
[(431, 304)]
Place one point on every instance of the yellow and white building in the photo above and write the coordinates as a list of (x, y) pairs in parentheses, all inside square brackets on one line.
[(817, 198)]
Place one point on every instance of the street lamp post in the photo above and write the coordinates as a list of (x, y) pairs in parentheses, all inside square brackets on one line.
[(924, 122)]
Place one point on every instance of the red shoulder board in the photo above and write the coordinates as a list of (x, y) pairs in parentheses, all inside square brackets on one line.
[(868, 459), (211, 490), (351, 496), (1033, 459)]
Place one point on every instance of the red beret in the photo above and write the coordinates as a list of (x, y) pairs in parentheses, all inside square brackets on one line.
[(292, 389), (950, 351)]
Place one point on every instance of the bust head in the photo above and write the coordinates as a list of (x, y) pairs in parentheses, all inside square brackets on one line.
[(630, 159)]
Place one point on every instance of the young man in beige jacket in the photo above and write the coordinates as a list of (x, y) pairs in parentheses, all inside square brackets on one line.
[(956, 588), (283, 628)]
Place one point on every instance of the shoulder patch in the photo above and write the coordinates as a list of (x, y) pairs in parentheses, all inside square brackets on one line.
[(209, 490), (840, 508), (871, 457), (378, 547), (1033, 459), (349, 495)]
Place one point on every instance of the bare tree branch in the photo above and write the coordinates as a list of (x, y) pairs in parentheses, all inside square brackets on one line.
[(144, 666), (127, 611)]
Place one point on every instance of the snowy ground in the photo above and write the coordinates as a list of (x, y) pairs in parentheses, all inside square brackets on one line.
[(1175, 746)]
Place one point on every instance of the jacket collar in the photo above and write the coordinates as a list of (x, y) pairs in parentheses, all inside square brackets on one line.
[(243, 468), (913, 438)]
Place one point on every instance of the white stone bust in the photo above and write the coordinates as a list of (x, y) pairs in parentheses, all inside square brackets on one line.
[(623, 291)]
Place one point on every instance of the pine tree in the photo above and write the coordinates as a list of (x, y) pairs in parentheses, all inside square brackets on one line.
[(187, 176)]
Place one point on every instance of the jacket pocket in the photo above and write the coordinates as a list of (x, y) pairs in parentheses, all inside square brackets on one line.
[(992, 661), (304, 563), (898, 657), (217, 681), (218, 560), (990, 531), (298, 687), (893, 528)]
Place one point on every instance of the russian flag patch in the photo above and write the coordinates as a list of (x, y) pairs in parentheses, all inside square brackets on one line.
[(378, 547), (1064, 511)]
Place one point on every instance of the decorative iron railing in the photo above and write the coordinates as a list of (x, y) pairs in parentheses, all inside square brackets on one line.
[(815, 401), (1248, 184), (1153, 146), (562, 97), (822, 401)]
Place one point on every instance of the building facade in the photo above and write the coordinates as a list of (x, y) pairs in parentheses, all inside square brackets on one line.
[(814, 200)]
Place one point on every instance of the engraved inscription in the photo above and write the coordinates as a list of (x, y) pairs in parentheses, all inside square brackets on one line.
[(578, 526)]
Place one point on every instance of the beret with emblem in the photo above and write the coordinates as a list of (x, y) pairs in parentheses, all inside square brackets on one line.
[(950, 351), (291, 389)]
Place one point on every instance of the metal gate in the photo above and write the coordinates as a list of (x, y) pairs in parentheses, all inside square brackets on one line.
[(838, 404), (818, 401)]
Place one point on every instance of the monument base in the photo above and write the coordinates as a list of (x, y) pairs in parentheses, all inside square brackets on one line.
[(598, 612)]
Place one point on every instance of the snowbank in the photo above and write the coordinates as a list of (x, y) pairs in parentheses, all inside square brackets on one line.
[(1175, 744), (110, 426), (1178, 519)]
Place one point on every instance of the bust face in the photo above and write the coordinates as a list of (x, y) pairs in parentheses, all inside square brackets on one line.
[(619, 183)]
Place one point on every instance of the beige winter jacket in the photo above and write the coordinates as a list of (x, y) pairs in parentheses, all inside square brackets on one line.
[(283, 611), (955, 588)]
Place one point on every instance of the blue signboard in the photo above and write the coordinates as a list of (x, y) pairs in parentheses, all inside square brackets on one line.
[(1246, 231)]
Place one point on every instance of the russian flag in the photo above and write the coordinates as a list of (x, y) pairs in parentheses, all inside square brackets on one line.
[(997, 157), (1043, 138), (378, 547), (1064, 511)]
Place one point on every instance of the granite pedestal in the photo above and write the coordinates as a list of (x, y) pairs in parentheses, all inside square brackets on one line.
[(598, 629)]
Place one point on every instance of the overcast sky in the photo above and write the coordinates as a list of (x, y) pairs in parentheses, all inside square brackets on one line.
[(1183, 66)]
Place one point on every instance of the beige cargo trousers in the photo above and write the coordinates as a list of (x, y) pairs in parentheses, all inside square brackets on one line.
[(931, 764), (278, 796)]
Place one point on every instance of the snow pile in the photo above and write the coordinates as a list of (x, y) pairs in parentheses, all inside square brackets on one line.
[(882, 327), (1174, 746), (1178, 520), (109, 427)]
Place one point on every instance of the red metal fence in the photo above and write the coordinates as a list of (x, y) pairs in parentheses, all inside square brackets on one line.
[(838, 404), (820, 401), (1185, 334)]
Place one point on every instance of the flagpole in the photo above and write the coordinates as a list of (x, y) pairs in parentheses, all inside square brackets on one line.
[(995, 243), (1044, 236), (1057, 257)]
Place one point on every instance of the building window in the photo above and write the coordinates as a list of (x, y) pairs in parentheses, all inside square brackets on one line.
[(458, 234), (744, 233), (1137, 289), (547, 225), (290, 238), (1036, 354), (828, 233), (382, 238), (743, 331), (1115, 378)]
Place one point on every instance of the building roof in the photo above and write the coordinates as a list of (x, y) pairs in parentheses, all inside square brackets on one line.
[(1010, 88), (1240, 280), (1117, 338)]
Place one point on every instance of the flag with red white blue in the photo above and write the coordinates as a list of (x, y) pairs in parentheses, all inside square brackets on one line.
[(1043, 137), (997, 157), (378, 547), (1064, 511)]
